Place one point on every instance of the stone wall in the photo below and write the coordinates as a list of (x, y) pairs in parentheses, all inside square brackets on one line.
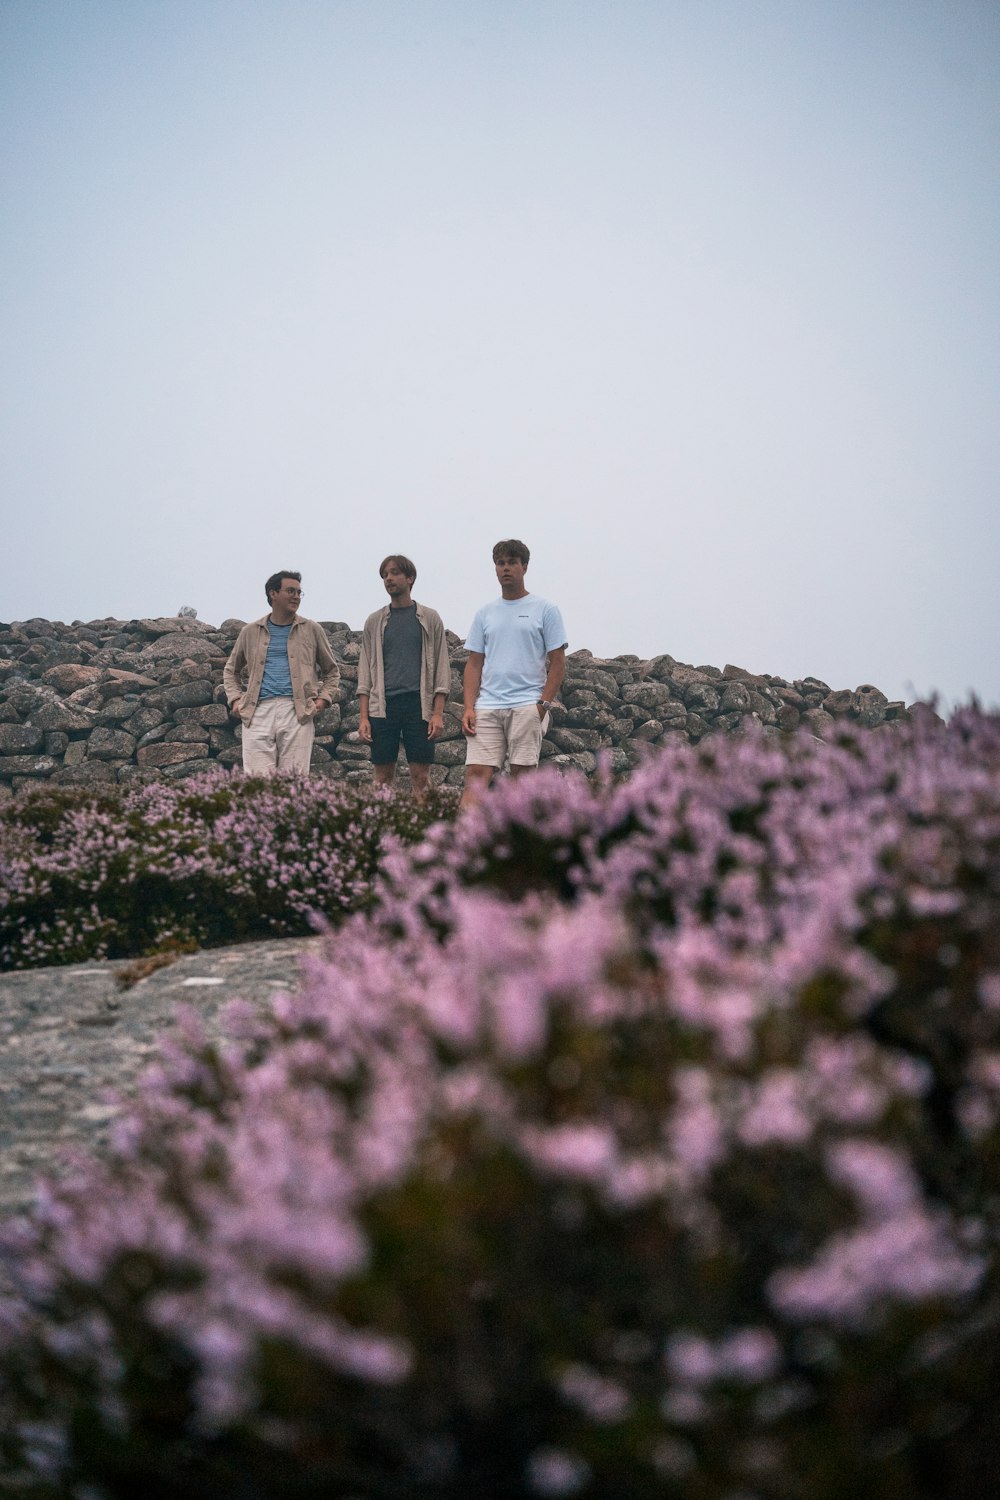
[(114, 700)]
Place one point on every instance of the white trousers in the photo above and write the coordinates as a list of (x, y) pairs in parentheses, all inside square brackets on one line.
[(274, 740)]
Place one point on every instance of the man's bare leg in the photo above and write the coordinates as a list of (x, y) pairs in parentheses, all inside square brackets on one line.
[(384, 774), (420, 780), (477, 780)]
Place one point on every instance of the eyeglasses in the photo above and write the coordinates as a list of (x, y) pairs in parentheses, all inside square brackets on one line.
[(293, 593)]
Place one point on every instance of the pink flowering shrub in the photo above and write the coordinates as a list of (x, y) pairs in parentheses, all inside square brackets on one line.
[(212, 859), (642, 1140)]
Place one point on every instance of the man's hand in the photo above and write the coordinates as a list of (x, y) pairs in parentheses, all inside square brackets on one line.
[(365, 730), (469, 722), (435, 725), (318, 705), (235, 707)]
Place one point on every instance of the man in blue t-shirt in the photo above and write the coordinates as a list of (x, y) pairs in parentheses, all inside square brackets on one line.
[(515, 668)]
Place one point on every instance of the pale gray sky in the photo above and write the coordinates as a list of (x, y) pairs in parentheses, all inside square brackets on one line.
[(698, 297)]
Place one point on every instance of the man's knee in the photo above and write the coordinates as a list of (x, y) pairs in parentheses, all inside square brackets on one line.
[(479, 773)]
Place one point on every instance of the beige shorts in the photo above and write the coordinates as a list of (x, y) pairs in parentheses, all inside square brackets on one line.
[(503, 734), (274, 740)]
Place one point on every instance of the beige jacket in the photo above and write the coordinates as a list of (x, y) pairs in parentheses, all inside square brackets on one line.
[(435, 669), (309, 656)]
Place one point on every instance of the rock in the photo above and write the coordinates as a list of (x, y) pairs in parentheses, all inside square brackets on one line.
[(763, 708), (650, 696), (59, 716), (650, 730), (120, 681), (590, 718), (154, 735), (658, 668), (174, 625), (572, 741), (27, 765), (870, 705), (818, 721), (735, 697), (584, 760), (839, 703), (114, 711), (145, 717), (701, 698), (604, 684), (186, 734), (328, 722), (180, 647), (168, 755), (71, 676), (680, 678), (209, 713), (110, 744), (18, 739), (197, 693)]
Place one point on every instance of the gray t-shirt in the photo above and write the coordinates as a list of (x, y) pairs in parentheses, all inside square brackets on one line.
[(401, 648)]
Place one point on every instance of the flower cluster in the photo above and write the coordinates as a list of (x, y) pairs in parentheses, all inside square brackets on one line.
[(216, 858), (642, 1139)]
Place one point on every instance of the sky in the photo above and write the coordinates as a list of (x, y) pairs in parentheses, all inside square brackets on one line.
[(699, 298)]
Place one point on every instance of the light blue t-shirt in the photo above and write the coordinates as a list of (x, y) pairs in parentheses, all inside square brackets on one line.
[(515, 635), (277, 679)]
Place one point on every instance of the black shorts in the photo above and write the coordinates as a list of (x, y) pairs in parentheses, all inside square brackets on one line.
[(402, 721)]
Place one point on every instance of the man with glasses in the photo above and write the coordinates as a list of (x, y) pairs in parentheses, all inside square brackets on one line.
[(280, 675)]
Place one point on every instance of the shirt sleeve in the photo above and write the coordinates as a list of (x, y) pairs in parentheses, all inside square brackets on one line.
[(476, 639), (442, 662), (553, 629), (365, 673)]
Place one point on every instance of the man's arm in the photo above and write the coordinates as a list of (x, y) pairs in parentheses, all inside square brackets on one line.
[(365, 680), (365, 727), (435, 724), (554, 678), (442, 675), (471, 679), (233, 671)]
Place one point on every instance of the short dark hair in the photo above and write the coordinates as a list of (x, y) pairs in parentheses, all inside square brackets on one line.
[(273, 584), (511, 548), (402, 563)]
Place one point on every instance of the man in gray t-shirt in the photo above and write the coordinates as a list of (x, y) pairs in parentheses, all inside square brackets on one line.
[(404, 677)]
